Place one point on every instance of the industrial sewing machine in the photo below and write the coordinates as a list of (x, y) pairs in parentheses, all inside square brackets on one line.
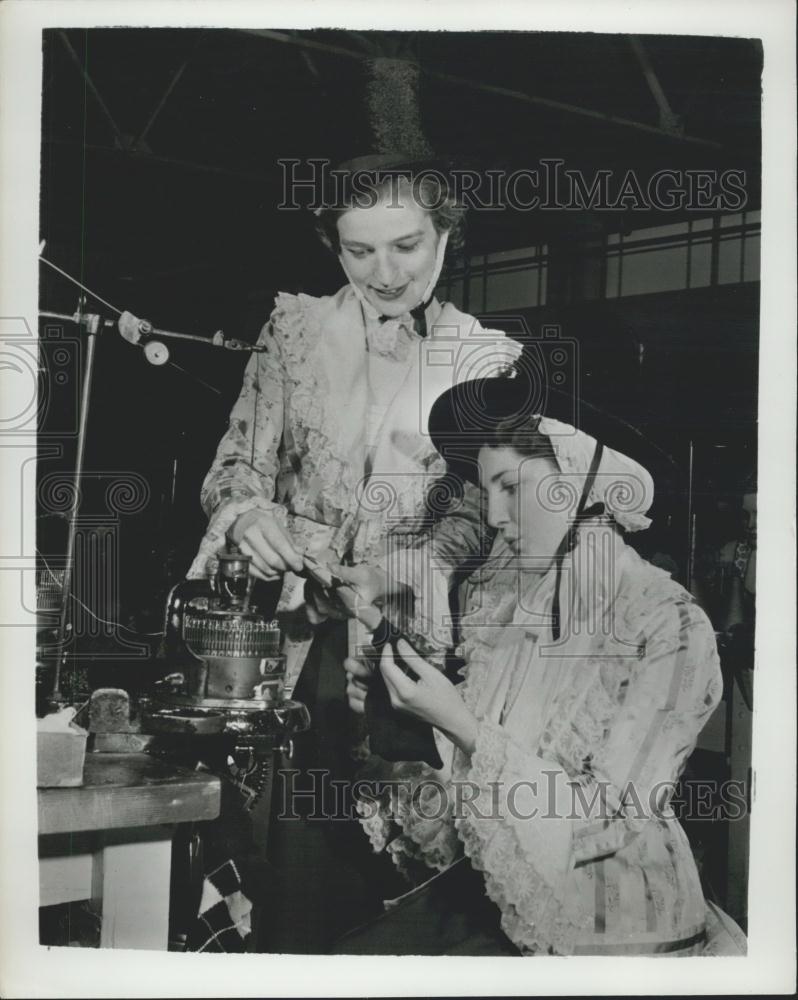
[(222, 697)]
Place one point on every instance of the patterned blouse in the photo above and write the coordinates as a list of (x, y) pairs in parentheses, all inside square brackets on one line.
[(565, 803), (329, 433)]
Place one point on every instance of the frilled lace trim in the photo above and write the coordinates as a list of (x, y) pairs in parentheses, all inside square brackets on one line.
[(631, 485), (375, 819), (498, 600), (297, 322), (420, 804), (534, 916), (421, 822)]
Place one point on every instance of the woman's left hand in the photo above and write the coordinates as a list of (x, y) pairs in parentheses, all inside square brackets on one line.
[(363, 590), (432, 698), (322, 604)]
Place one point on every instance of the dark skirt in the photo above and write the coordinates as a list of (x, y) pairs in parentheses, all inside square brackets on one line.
[(449, 915), (321, 877)]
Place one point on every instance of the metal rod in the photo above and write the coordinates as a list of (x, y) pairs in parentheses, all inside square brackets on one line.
[(667, 119), (63, 316), (75, 281), (90, 84), (174, 364), (66, 591), (172, 84), (573, 109), (74, 318), (154, 331), (226, 343)]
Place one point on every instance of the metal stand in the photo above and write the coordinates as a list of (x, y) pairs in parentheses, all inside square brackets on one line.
[(93, 324), (135, 331)]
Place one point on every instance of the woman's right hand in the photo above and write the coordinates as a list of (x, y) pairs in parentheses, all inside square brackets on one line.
[(366, 585), (261, 536), (358, 677)]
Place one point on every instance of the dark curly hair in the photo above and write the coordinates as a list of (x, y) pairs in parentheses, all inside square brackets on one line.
[(429, 189), (521, 434)]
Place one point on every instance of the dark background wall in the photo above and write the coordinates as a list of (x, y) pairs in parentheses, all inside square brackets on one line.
[(159, 191)]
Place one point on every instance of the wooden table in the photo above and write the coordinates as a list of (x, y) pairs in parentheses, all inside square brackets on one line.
[(110, 841)]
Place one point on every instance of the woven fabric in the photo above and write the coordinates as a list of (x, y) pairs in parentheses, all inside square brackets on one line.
[(223, 922)]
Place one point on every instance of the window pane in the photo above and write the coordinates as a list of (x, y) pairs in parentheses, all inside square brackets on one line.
[(700, 265), (507, 255), (455, 293), (655, 271), (751, 266), (476, 282), (512, 289), (611, 290), (729, 260), (657, 232), (732, 220)]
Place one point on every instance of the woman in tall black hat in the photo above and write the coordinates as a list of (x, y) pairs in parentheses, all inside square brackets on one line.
[(583, 693), (327, 458)]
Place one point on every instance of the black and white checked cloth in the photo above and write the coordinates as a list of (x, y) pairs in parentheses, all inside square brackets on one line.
[(223, 923)]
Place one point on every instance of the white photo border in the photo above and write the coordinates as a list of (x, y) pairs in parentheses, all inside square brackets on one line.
[(27, 969)]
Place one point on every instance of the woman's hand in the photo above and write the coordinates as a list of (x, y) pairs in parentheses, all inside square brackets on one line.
[(322, 604), (261, 536), (358, 677), (364, 588), (365, 585), (432, 698)]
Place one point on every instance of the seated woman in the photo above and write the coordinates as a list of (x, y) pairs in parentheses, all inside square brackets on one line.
[(583, 694)]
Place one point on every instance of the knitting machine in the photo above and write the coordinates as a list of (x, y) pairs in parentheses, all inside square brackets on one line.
[(222, 699)]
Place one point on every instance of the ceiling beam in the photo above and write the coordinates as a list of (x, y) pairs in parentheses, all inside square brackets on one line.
[(306, 43), (668, 121), (160, 106), (90, 84), (488, 88)]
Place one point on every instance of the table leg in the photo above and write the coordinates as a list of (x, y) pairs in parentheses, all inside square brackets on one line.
[(66, 865), (130, 882)]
